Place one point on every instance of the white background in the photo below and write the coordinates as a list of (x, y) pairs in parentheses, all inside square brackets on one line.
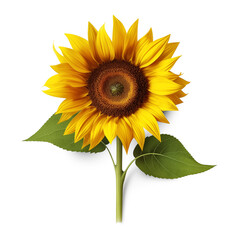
[(48, 193)]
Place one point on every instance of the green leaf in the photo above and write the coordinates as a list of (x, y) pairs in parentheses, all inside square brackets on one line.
[(167, 159), (52, 132)]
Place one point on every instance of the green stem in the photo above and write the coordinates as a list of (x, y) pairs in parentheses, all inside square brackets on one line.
[(119, 181)]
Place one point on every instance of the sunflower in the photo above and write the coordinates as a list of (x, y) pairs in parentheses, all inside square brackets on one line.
[(118, 87)]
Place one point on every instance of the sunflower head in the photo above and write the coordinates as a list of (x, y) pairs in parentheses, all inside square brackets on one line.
[(116, 87)]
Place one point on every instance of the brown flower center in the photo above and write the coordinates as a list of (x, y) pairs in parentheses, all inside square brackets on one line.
[(118, 88)]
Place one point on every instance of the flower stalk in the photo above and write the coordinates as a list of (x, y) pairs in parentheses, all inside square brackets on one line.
[(119, 181)]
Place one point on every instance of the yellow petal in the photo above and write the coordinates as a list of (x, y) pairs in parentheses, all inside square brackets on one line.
[(84, 124), (66, 116), (66, 79), (163, 102), (72, 125), (148, 122), (63, 68), (138, 131), (76, 60), (81, 46), (124, 132), (110, 128), (67, 92), (156, 112), (118, 36), (181, 81), (175, 99), (130, 42), (92, 37), (169, 50), (150, 72), (70, 105), (151, 51), (163, 86), (97, 130), (146, 39), (180, 94), (86, 140), (104, 46), (59, 56), (98, 139), (78, 43), (166, 64)]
